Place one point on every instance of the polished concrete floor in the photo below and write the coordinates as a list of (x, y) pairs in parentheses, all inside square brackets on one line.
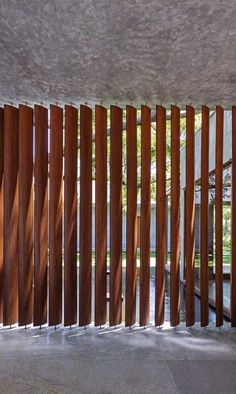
[(118, 361)]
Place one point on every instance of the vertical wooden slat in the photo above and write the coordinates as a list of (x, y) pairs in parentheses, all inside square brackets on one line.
[(131, 236), (1, 207), (11, 205), (25, 215), (233, 223), (145, 214), (190, 216), (160, 214), (204, 216), (70, 216), (101, 215), (55, 215), (115, 310), (85, 273), (219, 215), (175, 216), (41, 216)]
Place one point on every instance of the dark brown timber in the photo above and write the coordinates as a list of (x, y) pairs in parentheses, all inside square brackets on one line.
[(161, 214), (85, 275), (25, 215), (233, 222), (116, 217), (219, 215), (145, 214), (175, 216), (131, 240), (11, 206), (1, 207), (55, 216), (41, 216), (204, 216), (101, 215), (70, 216), (190, 216)]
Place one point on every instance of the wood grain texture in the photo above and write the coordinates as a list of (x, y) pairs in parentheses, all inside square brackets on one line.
[(131, 235), (190, 216), (101, 215), (11, 206), (175, 216), (233, 223), (55, 215), (160, 215), (145, 215), (70, 216), (115, 310), (85, 273), (204, 217), (1, 207), (219, 215), (25, 215), (40, 216)]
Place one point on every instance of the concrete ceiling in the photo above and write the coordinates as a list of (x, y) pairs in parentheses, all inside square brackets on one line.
[(139, 51)]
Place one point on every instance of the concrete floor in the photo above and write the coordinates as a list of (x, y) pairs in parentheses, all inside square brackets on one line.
[(118, 361)]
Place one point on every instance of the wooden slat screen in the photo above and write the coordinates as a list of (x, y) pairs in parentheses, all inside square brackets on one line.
[(70, 216), (101, 216), (51, 175), (55, 215), (40, 215), (115, 312), (160, 214), (85, 273), (11, 206), (25, 215), (145, 215)]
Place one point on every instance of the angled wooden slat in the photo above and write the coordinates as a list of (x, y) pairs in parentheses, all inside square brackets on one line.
[(160, 215), (131, 235), (233, 223), (70, 216), (145, 215), (219, 215), (1, 207), (101, 215), (25, 215), (204, 216), (115, 310), (85, 273), (190, 216), (55, 215), (40, 216), (175, 216), (11, 205)]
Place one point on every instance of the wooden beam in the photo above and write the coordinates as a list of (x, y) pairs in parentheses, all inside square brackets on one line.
[(55, 216), (204, 216), (145, 215), (101, 216), (1, 207), (160, 214), (11, 206), (190, 215), (131, 239), (70, 216), (175, 216), (115, 309), (233, 223), (25, 215), (41, 216), (85, 275)]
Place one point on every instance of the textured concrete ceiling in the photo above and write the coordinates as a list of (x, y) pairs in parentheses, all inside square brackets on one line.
[(139, 51)]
